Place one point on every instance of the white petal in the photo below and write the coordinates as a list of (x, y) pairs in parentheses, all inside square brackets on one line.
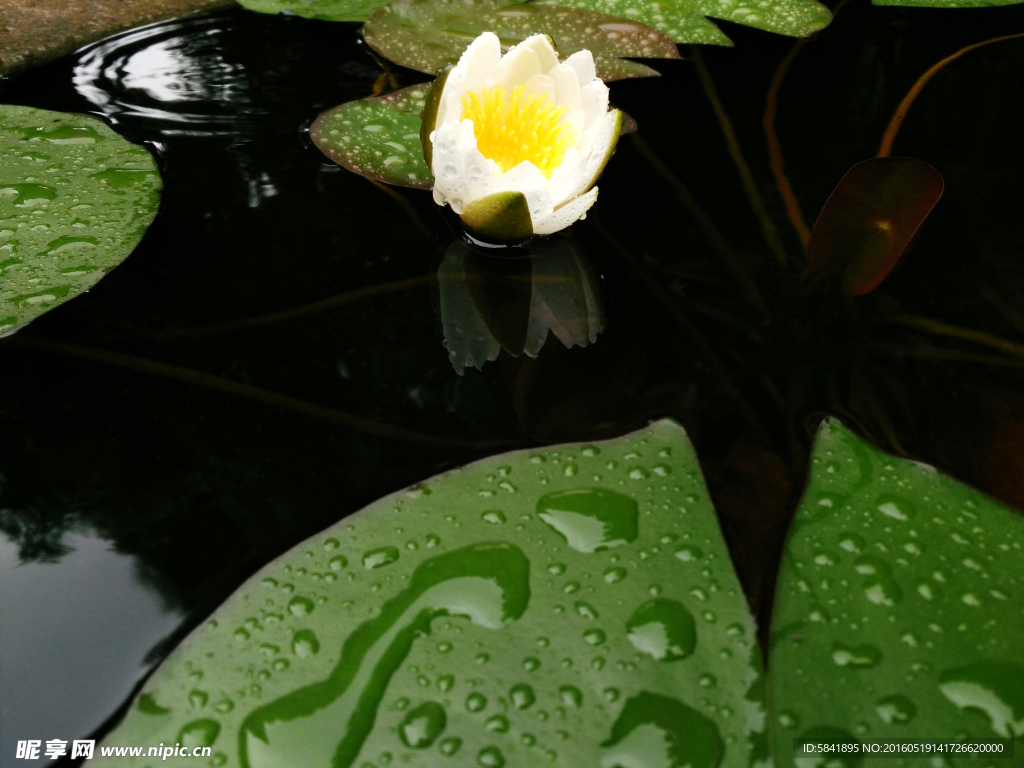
[(480, 62), (567, 88), (540, 84), (594, 98), (582, 63), (541, 45), (518, 66), (566, 215)]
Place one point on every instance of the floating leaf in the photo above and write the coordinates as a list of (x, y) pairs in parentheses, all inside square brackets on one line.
[(324, 10), (871, 218), (428, 34), (378, 138), (75, 199), (947, 3), (676, 19), (898, 606), (571, 606)]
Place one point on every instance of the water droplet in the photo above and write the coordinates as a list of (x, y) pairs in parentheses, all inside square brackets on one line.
[(662, 628), (530, 663), (305, 643), (614, 575), (638, 473), (571, 696), (300, 606), (571, 587), (895, 507), (788, 719), (654, 731), (490, 757), (590, 519), (594, 636), (863, 655), (994, 687), (445, 683), (241, 635), (497, 724), (688, 553), (450, 745), (421, 726), (895, 709), (493, 516), (476, 702), (611, 695), (522, 696), (378, 558), (337, 562), (556, 569), (331, 543), (851, 542), (707, 681), (280, 665), (197, 699), (199, 733), (586, 610)]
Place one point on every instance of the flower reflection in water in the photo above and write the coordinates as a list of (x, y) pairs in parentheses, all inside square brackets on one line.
[(510, 302)]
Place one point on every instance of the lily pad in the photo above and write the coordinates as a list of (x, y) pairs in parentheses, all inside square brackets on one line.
[(428, 34), (871, 218), (324, 10), (378, 138), (947, 3), (898, 608), (374, 137), (676, 19), (571, 606), (75, 199)]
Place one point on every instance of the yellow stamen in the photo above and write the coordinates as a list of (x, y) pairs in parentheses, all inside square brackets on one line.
[(512, 129)]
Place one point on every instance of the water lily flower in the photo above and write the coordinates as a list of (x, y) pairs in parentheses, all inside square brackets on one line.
[(516, 142)]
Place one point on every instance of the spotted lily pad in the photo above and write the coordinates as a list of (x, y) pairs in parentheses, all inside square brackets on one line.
[(378, 138), (428, 34), (947, 3), (75, 199), (572, 606), (324, 10), (898, 609), (678, 20)]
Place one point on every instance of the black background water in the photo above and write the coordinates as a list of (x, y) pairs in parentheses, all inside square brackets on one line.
[(134, 504)]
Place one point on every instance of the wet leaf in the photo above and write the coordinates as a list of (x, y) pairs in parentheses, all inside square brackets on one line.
[(378, 138), (75, 199), (569, 606), (428, 34), (324, 10), (898, 606), (375, 137), (947, 3), (870, 219), (679, 20)]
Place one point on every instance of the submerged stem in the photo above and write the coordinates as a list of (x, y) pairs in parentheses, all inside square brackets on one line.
[(796, 216), (198, 378), (711, 232), (939, 328), (901, 111), (771, 233), (331, 302)]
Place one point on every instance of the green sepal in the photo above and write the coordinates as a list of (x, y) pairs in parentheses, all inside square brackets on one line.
[(428, 117), (499, 218)]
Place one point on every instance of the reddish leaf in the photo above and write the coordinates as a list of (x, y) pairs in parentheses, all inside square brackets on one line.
[(871, 218)]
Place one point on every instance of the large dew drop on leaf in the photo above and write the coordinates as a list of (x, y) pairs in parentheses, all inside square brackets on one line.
[(898, 607), (499, 629), (428, 34), (75, 199)]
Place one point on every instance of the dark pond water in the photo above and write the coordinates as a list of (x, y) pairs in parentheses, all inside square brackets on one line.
[(132, 502)]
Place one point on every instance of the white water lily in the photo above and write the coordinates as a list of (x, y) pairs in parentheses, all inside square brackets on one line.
[(519, 140)]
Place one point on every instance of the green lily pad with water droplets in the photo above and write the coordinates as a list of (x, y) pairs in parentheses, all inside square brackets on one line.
[(898, 609), (947, 3), (75, 199), (680, 22), (570, 606), (378, 137), (323, 10), (428, 34)]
